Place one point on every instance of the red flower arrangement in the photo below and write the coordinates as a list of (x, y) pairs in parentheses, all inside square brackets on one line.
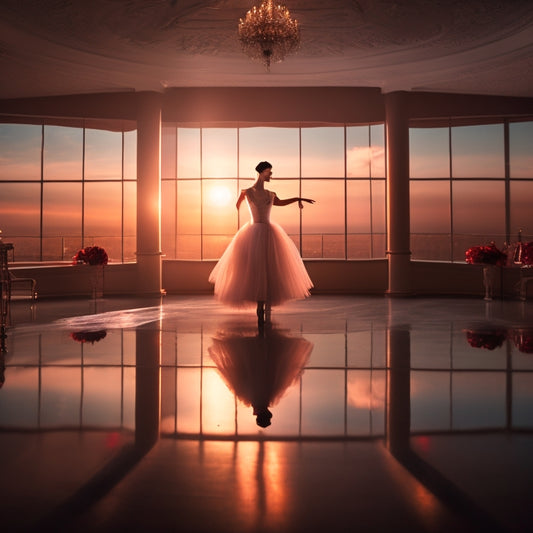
[(487, 255), (88, 336), (486, 339), (92, 255)]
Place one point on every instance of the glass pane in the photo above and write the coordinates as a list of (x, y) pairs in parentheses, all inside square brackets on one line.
[(327, 214), (430, 206), (103, 210), (429, 154), (219, 153), (379, 216), (521, 206), (189, 247), (358, 151), (130, 155), (358, 206), (479, 208), (323, 152), (168, 151), (359, 213), (189, 153), (279, 146), (61, 219), (189, 210), (130, 221), (168, 218), (63, 153), (377, 151), (103, 217), (478, 151), (379, 245), (219, 215), (430, 220), (359, 246), (20, 152), (20, 205), (213, 246), (431, 247), (521, 149), (103, 154), (326, 217)]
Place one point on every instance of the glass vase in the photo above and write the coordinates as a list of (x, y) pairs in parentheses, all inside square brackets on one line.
[(97, 281), (489, 281)]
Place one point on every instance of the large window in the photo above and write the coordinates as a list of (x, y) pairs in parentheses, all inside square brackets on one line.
[(470, 185), (63, 188), (341, 167)]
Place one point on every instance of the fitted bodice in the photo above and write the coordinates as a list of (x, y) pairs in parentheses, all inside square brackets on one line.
[(259, 204)]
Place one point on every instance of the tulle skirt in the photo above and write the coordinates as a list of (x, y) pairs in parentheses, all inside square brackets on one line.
[(261, 264)]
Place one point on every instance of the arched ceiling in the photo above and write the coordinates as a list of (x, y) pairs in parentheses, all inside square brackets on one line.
[(54, 47)]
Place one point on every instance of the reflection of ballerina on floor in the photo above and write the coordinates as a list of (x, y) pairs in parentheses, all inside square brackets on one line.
[(259, 366)]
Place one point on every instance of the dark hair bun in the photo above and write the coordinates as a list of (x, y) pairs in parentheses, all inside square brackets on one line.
[(262, 166)]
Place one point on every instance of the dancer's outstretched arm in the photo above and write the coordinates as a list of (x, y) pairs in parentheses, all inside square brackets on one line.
[(287, 201)]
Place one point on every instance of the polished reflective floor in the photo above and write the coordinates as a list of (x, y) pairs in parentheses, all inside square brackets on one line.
[(342, 414)]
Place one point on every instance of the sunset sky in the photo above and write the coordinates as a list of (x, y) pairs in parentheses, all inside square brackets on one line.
[(213, 164)]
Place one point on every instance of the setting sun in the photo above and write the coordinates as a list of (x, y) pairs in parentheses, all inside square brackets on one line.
[(220, 196)]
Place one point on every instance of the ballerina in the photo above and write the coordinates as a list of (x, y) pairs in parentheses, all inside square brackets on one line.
[(261, 265)]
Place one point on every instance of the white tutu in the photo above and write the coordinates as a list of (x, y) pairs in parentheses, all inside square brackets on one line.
[(261, 264)]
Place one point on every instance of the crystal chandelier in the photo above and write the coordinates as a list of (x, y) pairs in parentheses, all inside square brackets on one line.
[(268, 33)]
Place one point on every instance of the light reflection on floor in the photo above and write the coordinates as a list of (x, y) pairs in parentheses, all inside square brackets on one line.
[(103, 396)]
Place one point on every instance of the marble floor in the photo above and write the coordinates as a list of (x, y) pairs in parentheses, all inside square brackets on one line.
[(344, 413)]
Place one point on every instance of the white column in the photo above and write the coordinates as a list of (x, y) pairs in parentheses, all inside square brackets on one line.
[(149, 194), (398, 228)]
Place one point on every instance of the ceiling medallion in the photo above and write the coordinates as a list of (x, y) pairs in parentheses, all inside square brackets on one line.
[(268, 33)]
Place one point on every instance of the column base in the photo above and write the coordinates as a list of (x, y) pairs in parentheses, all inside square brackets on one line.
[(399, 277), (399, 294)]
